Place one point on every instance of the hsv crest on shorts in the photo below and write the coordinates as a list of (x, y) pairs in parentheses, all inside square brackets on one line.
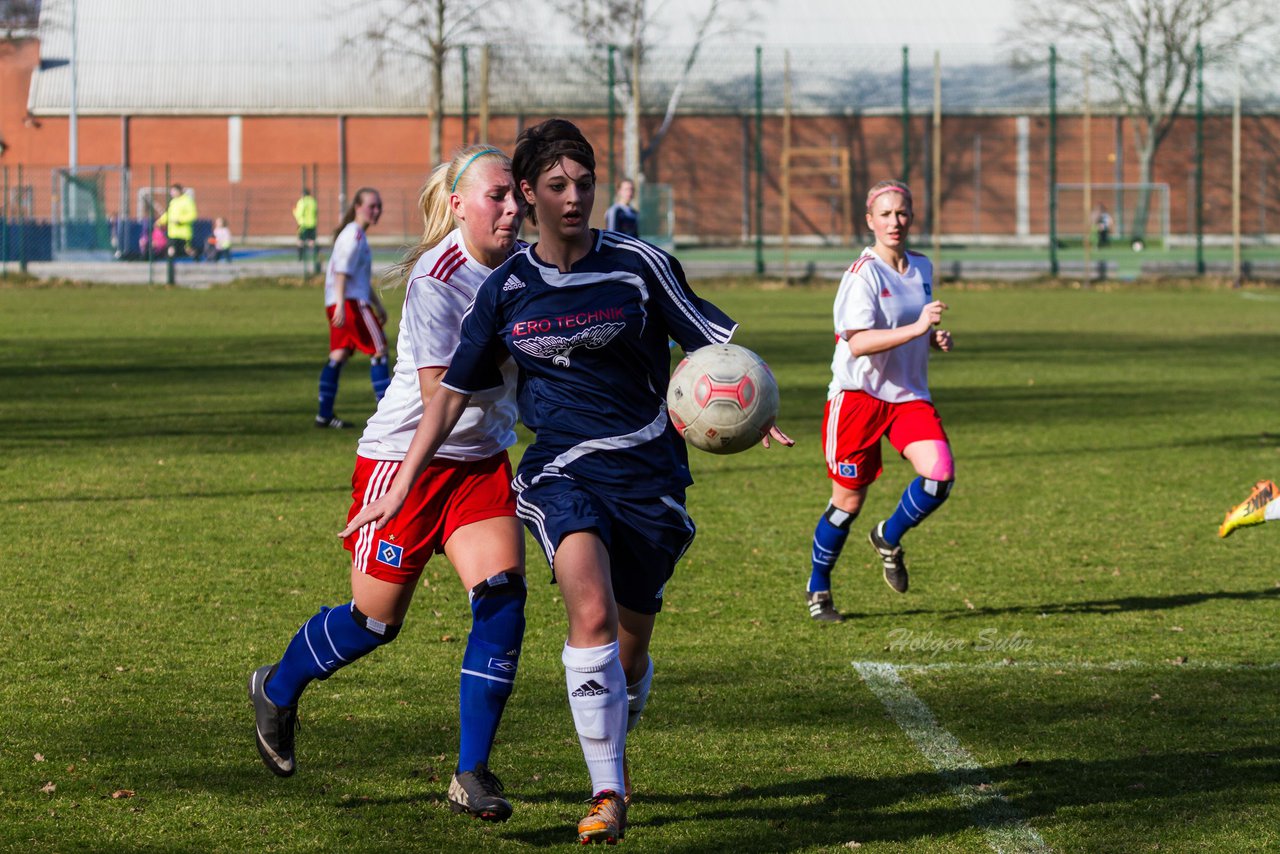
[(389, 554)]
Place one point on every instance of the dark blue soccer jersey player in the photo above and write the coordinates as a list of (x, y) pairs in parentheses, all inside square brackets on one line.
[(586, 316)]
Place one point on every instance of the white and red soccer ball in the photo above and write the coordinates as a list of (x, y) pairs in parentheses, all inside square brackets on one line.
[(722, 398)]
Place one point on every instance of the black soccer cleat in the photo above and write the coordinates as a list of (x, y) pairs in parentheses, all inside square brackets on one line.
[(478, 793), (334, 422), (275, 725), (895, 563), (822, 608)]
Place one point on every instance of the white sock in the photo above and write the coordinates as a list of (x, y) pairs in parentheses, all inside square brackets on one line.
[(1272, 511), (597, 689), (638, 696)]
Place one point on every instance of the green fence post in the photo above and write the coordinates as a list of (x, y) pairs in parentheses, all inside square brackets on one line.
[(151, 226), (302, 247), (466, 99), (1053, 160), (759, 160), (4, 229), (169, 274), (1199, 224), (613, 116), (315, 194), (906, 116), (22, 225)]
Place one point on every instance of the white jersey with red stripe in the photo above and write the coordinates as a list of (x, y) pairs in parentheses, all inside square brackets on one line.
[(352, 257), (873, 295), (441, 287)]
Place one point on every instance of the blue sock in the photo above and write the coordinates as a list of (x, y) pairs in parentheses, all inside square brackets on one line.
[(380, 376), (330, 640), (489, 664), (921, 497), (828, 540), (329, 387)]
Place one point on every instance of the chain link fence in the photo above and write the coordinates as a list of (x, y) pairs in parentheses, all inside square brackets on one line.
[(1006, 163)]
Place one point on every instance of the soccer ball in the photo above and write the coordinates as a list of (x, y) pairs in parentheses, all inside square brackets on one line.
[(722, 398)]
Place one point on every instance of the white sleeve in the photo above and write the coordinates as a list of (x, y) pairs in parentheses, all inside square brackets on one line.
[(433, 313), (343, 257), (855, 306)]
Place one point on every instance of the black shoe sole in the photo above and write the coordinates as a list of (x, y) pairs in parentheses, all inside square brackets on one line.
[(257, 739), (878, 544), (483, 815)]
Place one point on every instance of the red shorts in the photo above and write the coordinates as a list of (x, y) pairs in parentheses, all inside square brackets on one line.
[(855, 421), (360, 329), (448, 495)]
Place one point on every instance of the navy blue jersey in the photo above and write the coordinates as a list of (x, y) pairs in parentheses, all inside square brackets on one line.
[(623, 218), (591, 347)]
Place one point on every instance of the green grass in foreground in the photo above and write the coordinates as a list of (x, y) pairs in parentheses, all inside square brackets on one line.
[(1073, 620)]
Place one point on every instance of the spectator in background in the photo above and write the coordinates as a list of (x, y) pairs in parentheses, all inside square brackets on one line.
[(621, 216), (153, 244), (219, 248), (304, 214), (177, 220), (1102, 225)]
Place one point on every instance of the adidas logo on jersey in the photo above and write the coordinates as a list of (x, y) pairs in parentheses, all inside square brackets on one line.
[(512, 284), (590, 688), (884, 292)]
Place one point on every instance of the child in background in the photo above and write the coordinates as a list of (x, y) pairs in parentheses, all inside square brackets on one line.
[(219, 248)]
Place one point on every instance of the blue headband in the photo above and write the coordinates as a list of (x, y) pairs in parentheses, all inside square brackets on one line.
[(473, 159)]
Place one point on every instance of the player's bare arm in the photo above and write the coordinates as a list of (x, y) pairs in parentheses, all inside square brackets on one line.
[(340, 308), (438, 420), (864, 342)]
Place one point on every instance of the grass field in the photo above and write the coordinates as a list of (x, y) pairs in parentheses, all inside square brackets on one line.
[(1081, 665)]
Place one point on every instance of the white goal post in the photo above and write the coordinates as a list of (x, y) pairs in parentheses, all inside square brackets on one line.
[(1123, 202)]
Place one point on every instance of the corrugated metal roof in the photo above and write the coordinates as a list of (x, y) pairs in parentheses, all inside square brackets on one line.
[(256, 57), (225, 57)]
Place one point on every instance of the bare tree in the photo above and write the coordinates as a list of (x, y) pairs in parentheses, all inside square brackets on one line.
[(631, 26), (428, 30), (1146, 50)]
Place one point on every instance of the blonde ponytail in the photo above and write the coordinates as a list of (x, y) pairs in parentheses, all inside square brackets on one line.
[(437, 213)]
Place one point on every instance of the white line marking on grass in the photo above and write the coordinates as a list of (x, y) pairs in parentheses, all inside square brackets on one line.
[(1071, 666), (1262, 297), (1005, 827)]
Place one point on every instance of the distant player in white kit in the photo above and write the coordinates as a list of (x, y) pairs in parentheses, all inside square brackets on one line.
[(885, 316), (460, 505), (355, 311)]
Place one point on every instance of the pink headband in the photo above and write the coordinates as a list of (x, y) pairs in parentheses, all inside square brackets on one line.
[(892, 188)]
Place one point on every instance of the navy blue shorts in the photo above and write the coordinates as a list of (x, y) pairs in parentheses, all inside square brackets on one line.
[(644, 536)]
